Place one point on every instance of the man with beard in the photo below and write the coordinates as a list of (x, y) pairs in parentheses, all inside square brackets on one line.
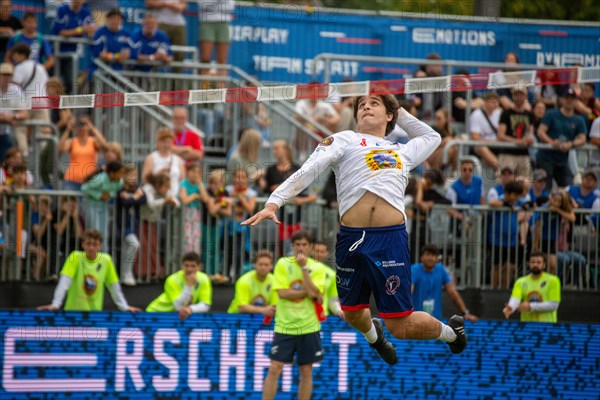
[(537, 295)]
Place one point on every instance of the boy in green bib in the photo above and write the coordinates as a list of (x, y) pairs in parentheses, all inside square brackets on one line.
[(83, 277), (254, 290), (187, 291)]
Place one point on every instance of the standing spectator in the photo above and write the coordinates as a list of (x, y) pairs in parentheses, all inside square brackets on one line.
[(99, 188), (459, 97), (83, 150), (187, 144), (443, 127), (9, 25), (14, 157), (507, 174), (538, 193), (585, 195), (164, 161), (564, 130), (246, 156), (298, 283), (187, 291), (191, 193), (73, 20), (130, 198), (538, 112), (506, 96), (41, 50), (253, 290), (59, 117), (70, 227), (112, 44), (516, 126), (19, 182), (537, 295), (157, 192), (484, 128), (9, 118), (428, 278), (549, 90), (587, 105), (430, 102), (83, 277), (169, 14), (44, 237), (152, 44), (214, 29)]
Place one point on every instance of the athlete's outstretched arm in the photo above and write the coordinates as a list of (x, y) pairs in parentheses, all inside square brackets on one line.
[(424, 140)]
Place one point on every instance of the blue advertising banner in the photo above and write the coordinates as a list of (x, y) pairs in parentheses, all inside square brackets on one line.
[(216, 356)]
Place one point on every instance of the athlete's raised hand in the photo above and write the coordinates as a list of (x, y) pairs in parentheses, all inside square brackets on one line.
[(269, 212)]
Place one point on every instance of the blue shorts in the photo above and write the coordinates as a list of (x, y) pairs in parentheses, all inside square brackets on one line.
[(374, 260)]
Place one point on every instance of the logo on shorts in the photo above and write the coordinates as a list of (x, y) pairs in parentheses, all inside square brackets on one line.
[(392, 284), (274, 349), (383, 159)]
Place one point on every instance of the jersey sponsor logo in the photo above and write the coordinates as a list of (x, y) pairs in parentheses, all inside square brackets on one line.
[(383, 159), (344, 269), (90, 284), (534, 297), (342, 282), (363, 142), (259, 300), (327, 141), (543, 284), (389, 264), (392, 284)]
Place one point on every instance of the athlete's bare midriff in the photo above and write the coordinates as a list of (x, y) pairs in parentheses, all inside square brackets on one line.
[(372, 211)]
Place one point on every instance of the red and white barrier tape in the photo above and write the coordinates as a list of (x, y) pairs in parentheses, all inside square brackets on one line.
[(453, 83)]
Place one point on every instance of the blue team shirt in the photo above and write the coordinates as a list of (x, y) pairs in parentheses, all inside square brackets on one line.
[(561, 128), (580, 199), (550, 223), (504, 227), (68, 19), (469, 194), (40, 47), (427, 295), (112, 42), (148, 46), (533, 197)]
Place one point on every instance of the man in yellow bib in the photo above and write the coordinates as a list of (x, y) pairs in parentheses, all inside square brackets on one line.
[(187, 291), (537, 295), (253, 290)]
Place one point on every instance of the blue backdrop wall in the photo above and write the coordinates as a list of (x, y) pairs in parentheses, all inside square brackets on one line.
[(110, 355)]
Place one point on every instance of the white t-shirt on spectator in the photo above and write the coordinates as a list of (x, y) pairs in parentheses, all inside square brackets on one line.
[(15, 94), (320, 110), (480, 125), (167, 16), (24, 72)]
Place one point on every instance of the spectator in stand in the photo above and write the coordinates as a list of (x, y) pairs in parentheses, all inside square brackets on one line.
[(44, 237), (187, 291), (484, 128), (59, 117), (537, 295), (595, 141), (430, 102), (130, 198), (220, 206), (538, 112), (468, 189), (507, 174), (253, 290), (70, 227), (191, 193), (9, 118), (99, 188), (443, 127), (14, 157), (19, 182), (152, 44), (113, 151), (585, 195), (550, 88), (320, 111), (214, 29), (587, 105), (83, 150), (157, 191), (9, 25), (506, 95), (516, 126), (256, 116), (503, 235), (83, 277), (112, 44), (428, 278), (164, 161), (564, 130), (246, 157), (41, 50), (169, 15), (538, 193), (187, 144), (73, 20), (459, 97)]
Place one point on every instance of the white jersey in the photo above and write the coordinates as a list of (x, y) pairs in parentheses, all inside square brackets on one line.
[(363, 162)]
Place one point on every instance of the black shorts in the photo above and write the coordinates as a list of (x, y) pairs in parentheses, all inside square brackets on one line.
[(307, 348)]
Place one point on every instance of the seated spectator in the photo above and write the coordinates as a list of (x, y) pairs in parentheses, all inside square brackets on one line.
[(112, 44), (468, 189), (538, 193), (516, 126), (429, 277), (73, 20), (538, 112), (506, 95), (130, 198), (548, 90), (503, 235), (83, 277), (164, 161), (187, 144), (253, 290), (171, 19), (321, 112), (459, 98), (9, 118), (484, 128), (14, 157), (191, 193), (430, 102), (443, 127), (83, 149), (9, 25), (43, 239), (587, 105), (187, 291), (157, 192), (564, 130), (69, 228), (507, 174), (585, 195), (256, 116), (151, 43), (99, 188), (246, 157), (595, 141), (41, 50)]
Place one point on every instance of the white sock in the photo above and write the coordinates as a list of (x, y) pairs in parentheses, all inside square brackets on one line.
[(447, 335), (371, 336)]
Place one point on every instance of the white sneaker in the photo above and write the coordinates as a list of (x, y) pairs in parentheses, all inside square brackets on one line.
[(128, 279)]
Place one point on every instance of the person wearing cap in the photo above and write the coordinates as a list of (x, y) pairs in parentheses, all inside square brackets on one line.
[(538, 193), (164, 160), (564, 130), (507, 174), (585, 195), (484, 128), (516, 126), (9, 118)]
